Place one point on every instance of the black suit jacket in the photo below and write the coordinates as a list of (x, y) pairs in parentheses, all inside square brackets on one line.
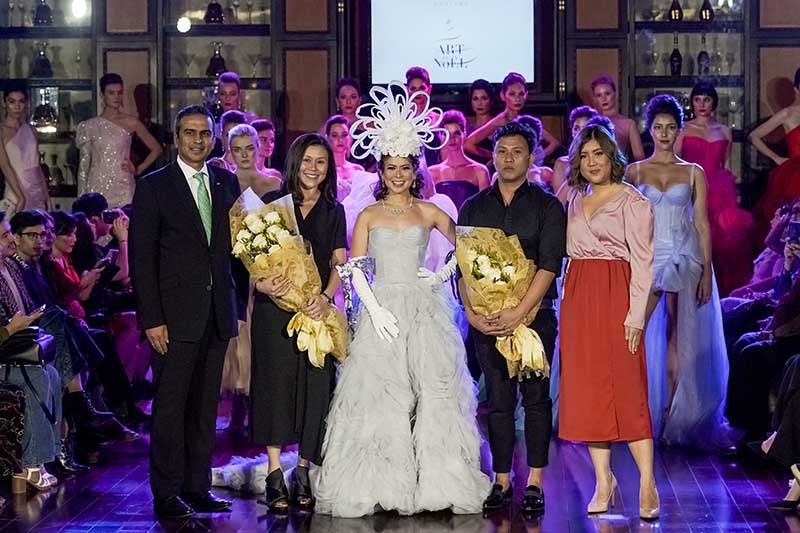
[(178, 278)]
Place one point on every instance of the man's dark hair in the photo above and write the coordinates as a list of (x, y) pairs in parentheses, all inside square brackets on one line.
[(188, 111), (263, 124), (109, 79), (91, 204), (516, 128), (26, 218)]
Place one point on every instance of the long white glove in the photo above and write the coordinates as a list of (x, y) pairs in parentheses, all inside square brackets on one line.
[(444, 273), (383, 320)]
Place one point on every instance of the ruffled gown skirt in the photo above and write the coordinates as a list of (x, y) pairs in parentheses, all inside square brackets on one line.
[(401, 431)]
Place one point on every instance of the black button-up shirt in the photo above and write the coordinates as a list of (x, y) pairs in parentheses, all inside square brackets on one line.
[(535, 216)]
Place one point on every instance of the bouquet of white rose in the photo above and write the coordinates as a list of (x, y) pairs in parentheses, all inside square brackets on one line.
[(267, 240), (497, 275)]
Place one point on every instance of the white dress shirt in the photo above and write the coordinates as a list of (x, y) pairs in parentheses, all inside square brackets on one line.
[(188, 173)]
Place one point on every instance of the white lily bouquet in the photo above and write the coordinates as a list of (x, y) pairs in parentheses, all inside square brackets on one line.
[(267, 240), (497, 275)]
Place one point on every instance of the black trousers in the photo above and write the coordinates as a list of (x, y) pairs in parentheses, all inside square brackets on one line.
[(755, 366), (187, 380), (786, 419), (502, 398)]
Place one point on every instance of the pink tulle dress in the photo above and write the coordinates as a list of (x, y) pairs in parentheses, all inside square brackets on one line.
[(732, 229)]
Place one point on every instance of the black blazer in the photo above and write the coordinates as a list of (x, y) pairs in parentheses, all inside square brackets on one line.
[(177, 276)]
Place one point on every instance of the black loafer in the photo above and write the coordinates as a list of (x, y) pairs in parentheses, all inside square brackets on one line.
[(207, 503), (784, 505), (497, 498), (533, 500), (172, 508)]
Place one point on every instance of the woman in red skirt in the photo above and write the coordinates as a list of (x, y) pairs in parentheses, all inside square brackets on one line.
[(603, 395)]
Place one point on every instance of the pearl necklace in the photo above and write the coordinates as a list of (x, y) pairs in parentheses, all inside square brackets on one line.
[(398, 210)]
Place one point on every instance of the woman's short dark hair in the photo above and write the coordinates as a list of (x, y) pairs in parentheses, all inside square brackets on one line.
[(109, 78), (27, 218), (609, 147), (333, 120), (418, 73), (584, 111), (348, 82), (381, 190), (294, 158), (512, 78), (516, 128), (230, 77), (232, 117), (84, 239), (15, 86), (63, 222), (663, 104), (483, 85), (704, 88)]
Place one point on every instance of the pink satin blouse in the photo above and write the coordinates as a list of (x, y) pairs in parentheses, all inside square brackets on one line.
[(621, 229)]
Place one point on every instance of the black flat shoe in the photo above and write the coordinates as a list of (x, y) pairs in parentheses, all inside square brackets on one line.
[(498, 499), (301, 489), (784, 505), (276, 497), (206, 503), (172, 508), (533, 500), (755, 447)]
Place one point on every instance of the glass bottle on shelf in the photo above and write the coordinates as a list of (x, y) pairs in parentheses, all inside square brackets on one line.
[(216, 65), (43, 16), (41, 65), (56, 176), (675, 12), (706, 13), (675, 59), (703, 59), (214, 13)]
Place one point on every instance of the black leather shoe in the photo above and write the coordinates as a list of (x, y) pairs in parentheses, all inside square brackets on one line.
[(65, 461), (301, 489), (171, 508), (533, 500), (498, 499), (206, 503)]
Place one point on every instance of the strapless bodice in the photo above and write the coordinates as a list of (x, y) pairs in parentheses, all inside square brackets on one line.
[(398, 253)]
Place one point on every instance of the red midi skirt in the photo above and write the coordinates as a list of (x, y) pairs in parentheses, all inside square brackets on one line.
[(603, 387)]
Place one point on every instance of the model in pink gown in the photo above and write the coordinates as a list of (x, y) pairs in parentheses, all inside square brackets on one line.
[(732, 228), (783, 185)]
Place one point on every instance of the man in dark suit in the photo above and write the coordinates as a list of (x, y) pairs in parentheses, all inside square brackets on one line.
[(186, 305)]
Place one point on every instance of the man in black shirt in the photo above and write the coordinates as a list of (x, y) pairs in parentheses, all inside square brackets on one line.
[(537, 218)]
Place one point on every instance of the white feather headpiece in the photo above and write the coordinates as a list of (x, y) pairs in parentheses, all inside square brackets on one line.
[(393, 125)]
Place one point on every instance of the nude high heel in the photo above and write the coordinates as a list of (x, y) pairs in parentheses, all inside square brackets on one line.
[(650, 509), (601, 506)]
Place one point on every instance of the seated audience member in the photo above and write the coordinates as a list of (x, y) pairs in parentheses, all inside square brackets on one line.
[(266, 145), (70, 290), (457, 176), (32, 231), (41, 440), (758, 357)]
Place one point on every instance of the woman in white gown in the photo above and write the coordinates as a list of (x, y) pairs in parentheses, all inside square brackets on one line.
[(401, 430)]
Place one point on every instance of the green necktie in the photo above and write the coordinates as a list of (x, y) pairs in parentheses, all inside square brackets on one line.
[(203, 204)]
